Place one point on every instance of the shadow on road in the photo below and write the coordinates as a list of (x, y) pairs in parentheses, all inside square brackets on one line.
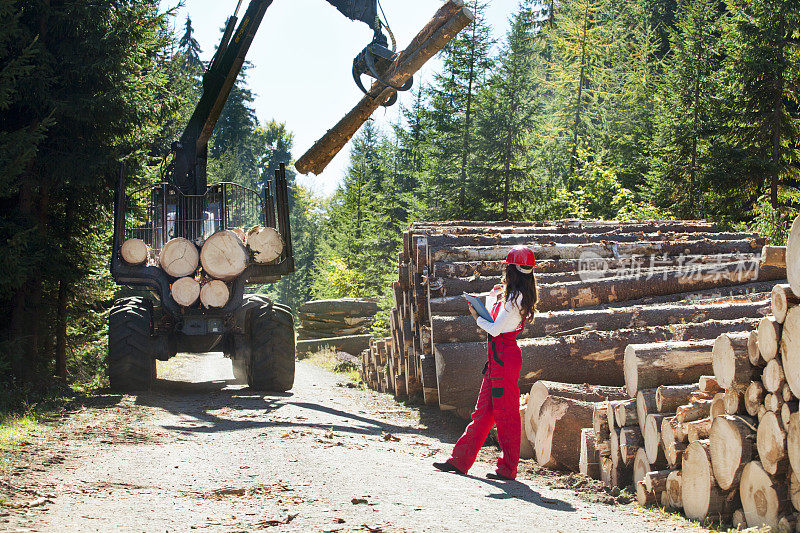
[(520, 491)]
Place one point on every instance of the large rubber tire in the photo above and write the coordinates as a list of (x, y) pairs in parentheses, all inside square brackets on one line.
[(271, 365), (131, 361)]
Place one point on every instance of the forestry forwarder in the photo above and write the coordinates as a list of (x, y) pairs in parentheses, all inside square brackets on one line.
[(184, 213)]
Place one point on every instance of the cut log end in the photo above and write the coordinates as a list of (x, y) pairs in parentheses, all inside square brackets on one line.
[(135, 252), (265, 243), (223, 256), (179, 257), (185, 291), (214, 294)]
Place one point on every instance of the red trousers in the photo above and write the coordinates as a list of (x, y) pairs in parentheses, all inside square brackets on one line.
[(498, 403)]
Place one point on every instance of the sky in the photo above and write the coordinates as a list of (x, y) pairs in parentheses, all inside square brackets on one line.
[(302, 59)]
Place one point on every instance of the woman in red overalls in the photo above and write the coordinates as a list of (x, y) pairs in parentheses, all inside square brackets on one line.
[(498, 400)]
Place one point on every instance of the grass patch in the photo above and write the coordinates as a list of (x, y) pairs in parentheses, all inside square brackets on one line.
[(329, 359)]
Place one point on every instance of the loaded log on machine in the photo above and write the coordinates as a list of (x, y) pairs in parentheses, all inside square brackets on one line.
[(193, 248)]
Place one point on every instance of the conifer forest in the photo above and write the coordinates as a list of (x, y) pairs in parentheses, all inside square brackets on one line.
[(584, 109)]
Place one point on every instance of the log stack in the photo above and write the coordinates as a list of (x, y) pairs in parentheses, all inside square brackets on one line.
[(603, 285), (342, 324), (201, 274)]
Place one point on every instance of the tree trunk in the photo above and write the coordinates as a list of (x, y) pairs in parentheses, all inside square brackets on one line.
[(448, 21), (665, 363), (693, 411), (753, 351), (702, 497), (179, 257), (731, 446), (764, 498), (709, 384), (731, 362)]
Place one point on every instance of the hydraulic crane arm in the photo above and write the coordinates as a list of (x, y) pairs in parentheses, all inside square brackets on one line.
[(188, 171)]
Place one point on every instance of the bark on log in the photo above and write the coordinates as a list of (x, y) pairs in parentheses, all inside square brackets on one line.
[(790, 348), (179, 257), (670, 397), (575, 251), (793, 258), (732, 446), (773, 256), (448, 21), (350, 344), (448, 240), (600, 426), (185, 291), (214, 294), (709, 384), (594, 357), (771, 443), (730, 361), (135, 252), (319, 321), (764, 498), (223, 256), (702, 497), (558, 435), (753, 397), (673, 490), (590, 459), (769, 337), (773, 377), (665, 363), (265, 243), (345, 307), (782, 298), (463, 329)]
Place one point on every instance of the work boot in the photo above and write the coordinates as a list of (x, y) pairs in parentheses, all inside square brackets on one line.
[(447, 467), (498, 477)]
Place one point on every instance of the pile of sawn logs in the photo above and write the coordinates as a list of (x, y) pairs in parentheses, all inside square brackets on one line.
[(710, 427), (654, 281), (341, 324)]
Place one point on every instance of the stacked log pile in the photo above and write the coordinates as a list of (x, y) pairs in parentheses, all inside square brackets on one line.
[(342, 324), (603, 285), (201, 275)]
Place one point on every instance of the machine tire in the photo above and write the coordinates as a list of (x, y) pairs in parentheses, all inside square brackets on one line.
[(131, 361), (272, 347), (239, 367)]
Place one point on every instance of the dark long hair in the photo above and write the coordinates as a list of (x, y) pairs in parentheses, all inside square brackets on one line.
[(525, 284)]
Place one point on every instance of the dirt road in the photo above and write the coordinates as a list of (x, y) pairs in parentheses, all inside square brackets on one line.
[(204, 454)]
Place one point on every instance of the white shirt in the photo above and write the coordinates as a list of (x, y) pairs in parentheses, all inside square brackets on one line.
[(508, 319)]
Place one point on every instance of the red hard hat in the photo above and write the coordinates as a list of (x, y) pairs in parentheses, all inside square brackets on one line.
[(521, 255)]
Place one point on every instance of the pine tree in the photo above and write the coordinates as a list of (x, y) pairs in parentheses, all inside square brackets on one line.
[(191, 49)]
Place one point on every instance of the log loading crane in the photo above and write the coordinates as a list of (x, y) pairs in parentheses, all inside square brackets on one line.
[(255, 332)]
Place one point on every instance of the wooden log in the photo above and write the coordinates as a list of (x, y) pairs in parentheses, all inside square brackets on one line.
[(782, 298), (585, 393), (670, 397), (773, 377), (266, 244), (698, 429), (645, 404), (790, 348), (589, 464), (594, 357), (652, 437), (606, 469), (753, 397), (793, 258), (641, 466), (630, 440), (773, 402), (214, 294), (526, 450), (656, 480), (769, 336), (709, 384), (730, 361), (646, 497), (665, 363), (771, 443), (764, 498), (794, 490), (702, 497), (343, 307), (673, 441), (350, 344), (448, 21), (625, 413), (733, 402), (179, 257), (786, 392), (673, 489), (787, 409), (558, 434), (717, 405), (185, 291), (223, 256), (576, 251), (793, 442), (135, 252), (732, 446), (787, 522), (753, 351), (738, 520), (693, 411), (321, 321), (773, 256), (461, 328)]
